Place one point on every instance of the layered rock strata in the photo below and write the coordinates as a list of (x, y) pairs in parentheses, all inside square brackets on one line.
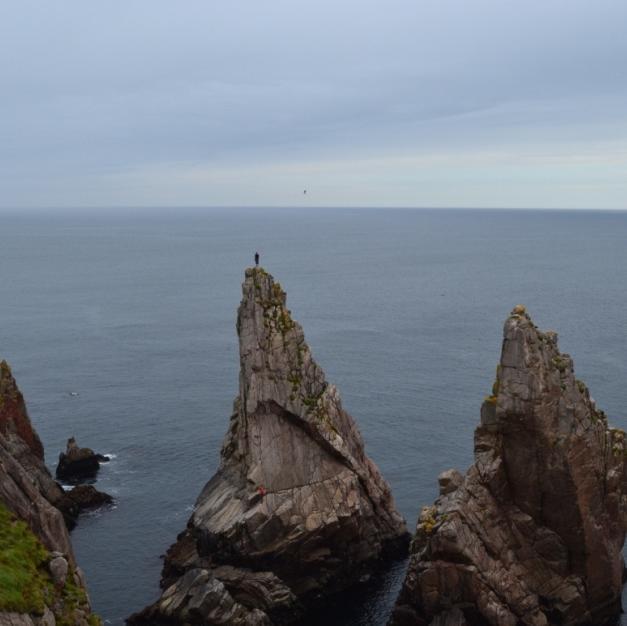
[(533, 534), (19, 440), (42, 584), (296, 510)]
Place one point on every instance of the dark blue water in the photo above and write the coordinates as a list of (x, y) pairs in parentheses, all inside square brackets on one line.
[(403, 309)]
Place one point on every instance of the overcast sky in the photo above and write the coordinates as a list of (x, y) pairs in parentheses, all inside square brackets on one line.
[(486, 103)]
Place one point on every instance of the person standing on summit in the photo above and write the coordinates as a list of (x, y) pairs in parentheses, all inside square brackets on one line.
[(256, 259)]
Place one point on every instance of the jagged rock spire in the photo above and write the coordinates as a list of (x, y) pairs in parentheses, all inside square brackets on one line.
[(534, 532), (295, 500)]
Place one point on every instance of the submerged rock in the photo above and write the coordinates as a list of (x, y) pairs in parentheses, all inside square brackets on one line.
[(296, 510), (533, 534), (42, 584), (78, 463)]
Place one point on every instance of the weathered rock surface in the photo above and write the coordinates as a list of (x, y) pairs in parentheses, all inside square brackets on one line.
[(533, 534), (296, 510), (23, 458), (78, 463), (29, 494), (14, 419), (87, 497)]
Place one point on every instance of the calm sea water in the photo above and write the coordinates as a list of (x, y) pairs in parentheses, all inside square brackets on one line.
[(403, 310)]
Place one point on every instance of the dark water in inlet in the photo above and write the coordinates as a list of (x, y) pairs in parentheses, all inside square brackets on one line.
[(403, 309)]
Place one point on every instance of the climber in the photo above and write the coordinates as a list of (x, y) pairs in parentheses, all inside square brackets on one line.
[(256, 259)]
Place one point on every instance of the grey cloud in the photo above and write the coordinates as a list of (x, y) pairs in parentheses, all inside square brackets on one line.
[(95, 88)]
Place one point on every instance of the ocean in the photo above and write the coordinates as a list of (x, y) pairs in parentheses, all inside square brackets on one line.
[(403, 309)]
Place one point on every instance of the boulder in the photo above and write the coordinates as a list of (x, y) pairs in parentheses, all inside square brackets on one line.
[(87, 497), (14, 420), (533, 534), (58, 569)]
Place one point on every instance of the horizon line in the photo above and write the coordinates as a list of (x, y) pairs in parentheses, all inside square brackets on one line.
[(93, 209)]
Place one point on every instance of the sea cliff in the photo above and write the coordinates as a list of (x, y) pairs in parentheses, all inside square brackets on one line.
[(40, 581)]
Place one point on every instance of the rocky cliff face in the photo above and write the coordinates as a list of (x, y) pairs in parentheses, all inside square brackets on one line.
[(533, 534), (296, 510), (14, 419), (41, 583)]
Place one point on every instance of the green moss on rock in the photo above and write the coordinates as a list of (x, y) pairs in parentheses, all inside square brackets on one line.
[(26, 585)]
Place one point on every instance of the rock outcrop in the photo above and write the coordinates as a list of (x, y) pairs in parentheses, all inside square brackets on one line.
[(78, 463), (87, 497), (19, 440), (296, 510), (14, 421), (533, 534), (41, 582)]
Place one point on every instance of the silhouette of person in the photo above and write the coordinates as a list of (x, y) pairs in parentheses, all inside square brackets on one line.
[(257, 259)]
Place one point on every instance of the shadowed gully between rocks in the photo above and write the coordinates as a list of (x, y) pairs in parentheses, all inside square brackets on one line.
[(533, 534), (296, 510)]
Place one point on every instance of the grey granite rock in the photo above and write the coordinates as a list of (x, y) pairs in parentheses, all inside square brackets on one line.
[(449, 481), (296, 510), (533, 535), (47, 619), (15, 619), (58, 567), (86, 497)]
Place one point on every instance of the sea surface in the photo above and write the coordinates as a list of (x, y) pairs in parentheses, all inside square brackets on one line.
[(403, 309)]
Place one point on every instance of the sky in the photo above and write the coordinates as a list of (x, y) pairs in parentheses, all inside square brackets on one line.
[(403, 103)]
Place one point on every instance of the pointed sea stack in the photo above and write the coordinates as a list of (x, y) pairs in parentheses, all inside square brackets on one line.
[(533, 534), (296, 510)]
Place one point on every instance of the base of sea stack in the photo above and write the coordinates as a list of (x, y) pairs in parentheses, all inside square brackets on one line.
[(240, 596)]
